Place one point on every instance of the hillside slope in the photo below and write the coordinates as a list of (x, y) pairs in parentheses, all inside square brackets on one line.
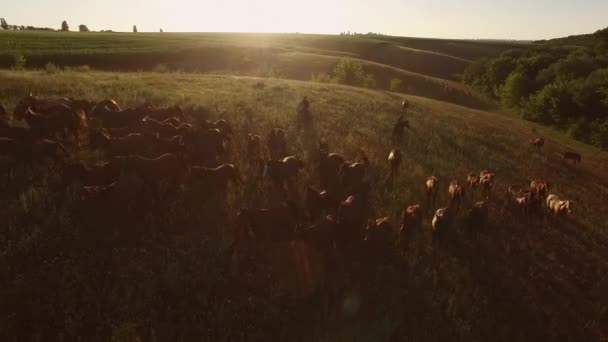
[(163, 274), (54, 45), (430, 73)]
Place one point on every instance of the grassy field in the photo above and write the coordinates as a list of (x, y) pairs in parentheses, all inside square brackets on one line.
[(428, 67), (162, 273)]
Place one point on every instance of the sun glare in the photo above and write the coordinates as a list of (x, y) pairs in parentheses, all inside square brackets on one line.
[(258, 16)]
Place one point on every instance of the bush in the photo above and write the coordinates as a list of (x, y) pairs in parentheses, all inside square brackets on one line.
[(19, 61), (349, 71), (396, 85), (51, 68)]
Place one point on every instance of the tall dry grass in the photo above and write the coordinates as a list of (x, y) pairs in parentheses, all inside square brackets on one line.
[(136, 268)]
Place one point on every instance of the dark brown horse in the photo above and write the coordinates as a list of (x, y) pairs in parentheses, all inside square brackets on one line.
[(100, 174), (399, 130), (59, 119), (217, 176), (277, 144), (131, 144)]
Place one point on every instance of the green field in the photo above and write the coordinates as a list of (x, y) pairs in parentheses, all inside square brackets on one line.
[(162, 273), (428, 67)]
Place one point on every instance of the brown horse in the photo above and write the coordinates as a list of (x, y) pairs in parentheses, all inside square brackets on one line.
[(39, 105), (394, 160), (411, 225), (205, 146), (537, 142), (131, 144), (59, 119), (329, 167), (486, 182), (285, 171), (218, 176), (399, 129), (167, 167), (113, 116), (254, 147), (277, 144), (321, 202), (432, 189), (221, 124), (456, 193), (100, 174)]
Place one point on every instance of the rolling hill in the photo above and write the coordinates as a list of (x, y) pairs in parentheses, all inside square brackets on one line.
[(84, 272), (428, 67)]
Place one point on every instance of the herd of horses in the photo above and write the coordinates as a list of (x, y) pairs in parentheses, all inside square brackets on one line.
[(160, 146)]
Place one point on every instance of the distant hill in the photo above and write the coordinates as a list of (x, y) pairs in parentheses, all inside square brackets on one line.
[(574, 41)]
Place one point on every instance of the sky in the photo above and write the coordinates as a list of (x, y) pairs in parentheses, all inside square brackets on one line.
[(471, 19)]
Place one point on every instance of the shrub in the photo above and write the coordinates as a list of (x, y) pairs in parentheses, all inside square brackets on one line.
[(19, 61), (396, 85), (350, 71), (51, 68), (83, 28)]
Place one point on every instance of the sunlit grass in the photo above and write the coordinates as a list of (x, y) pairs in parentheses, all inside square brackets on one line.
[(148, 256)]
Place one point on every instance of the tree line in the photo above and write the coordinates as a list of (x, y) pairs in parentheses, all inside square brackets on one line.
[(552, 83), (64, 27)]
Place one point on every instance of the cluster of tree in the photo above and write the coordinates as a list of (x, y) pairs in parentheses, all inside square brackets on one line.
[(369, 34), (64, 27), (553, 84), (5, 26)]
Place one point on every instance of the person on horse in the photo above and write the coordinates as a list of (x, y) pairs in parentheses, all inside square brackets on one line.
[(304, 105), (404, 106), (304, 117)]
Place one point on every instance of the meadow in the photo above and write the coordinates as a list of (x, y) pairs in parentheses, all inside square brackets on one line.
[(136, 269), (427, 67)]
